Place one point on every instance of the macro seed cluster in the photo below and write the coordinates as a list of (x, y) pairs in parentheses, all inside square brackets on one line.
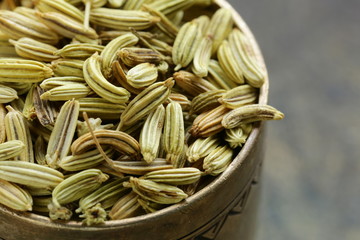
[(111, 109)]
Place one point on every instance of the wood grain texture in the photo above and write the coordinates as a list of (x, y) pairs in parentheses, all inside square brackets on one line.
[(311, 175)]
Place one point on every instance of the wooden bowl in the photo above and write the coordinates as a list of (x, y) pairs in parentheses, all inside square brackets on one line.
[(225, 209)]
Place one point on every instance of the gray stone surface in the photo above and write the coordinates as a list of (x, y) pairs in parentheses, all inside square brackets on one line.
[(311, 176)]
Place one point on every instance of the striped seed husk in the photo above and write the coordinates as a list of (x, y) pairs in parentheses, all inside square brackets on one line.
[(23, 70), (33, 49), (14, 197), (176, 176), (174, 132), (142, 75), (132, 56), (140, 167), (186, 43), (79, 50), (157, 192), (239, 96), (150, 134), (127, 206), (16, 129), (218, 160), (144, 103), (209, 123), (218, 77), (110, 52), (119, 141), (30, 174), (236, 137), (201, 147), (100, 85), (11, 149), (7, 94), (250, 113), (63, 133), (65, 67), (17, 26), (206, 101), (65, 25), (60, 6), (192, 84), (119, 19)]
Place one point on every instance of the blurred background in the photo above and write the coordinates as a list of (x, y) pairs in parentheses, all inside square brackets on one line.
[(312, 167)]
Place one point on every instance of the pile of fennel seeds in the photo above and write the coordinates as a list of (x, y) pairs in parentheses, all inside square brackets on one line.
[(112, 109)]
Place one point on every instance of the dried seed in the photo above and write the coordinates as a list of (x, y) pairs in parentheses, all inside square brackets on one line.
[(17, 26), (109, 54), (66, 92), (127, 206), (239, 96), (145, 102), (15, 197), (229, 63), (119, 141), (84, 160), (53, 82), (220, 26), (186, 43), (174, 132), (16, 129), (209, 123), (171, 6), (59, 6), (150, 134), (44, 110), (34, 49), (79, 50), (165, 25), (192, 84), (107, 195), (157, 192), (236, 137), (218, 160), (218, 77), (206, 101), (133, 4), (250, 113), (140, 167), (30, 174), (23, 70), (120, 75), (201, 147), (142, 75), (40, 150), (122, 19), (99, 107), (116, 3), (7, 94), (177, 176), (132, 56), (65, 25), (202, 57), (63, 133), (72, 189), (98, 83), (253, 72), (181, 99), (78, 186), (20, 87), (11, 149), (68, 67)]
